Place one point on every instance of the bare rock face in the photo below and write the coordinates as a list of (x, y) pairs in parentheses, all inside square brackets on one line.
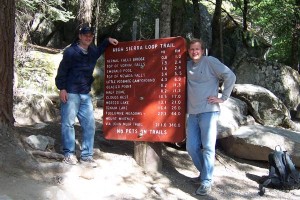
[(281, 80), (234, 113), (30, 108), (255, 142), (263, 105)]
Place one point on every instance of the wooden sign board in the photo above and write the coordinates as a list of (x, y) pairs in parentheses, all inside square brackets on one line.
[(145, 90)]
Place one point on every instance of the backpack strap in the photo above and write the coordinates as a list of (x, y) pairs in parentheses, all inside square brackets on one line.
[(291, 167), (279, 163), (262, 186)]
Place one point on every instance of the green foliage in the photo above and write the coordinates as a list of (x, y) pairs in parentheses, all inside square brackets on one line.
[(109, 13), (277, 18), (52, 9), (36, 71), (124, 14), (272, 20)]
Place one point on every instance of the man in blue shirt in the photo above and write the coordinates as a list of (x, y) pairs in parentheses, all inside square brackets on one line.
[(74, 80)]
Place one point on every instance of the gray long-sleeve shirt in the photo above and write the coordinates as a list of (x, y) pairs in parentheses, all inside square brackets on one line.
[(203, 81)]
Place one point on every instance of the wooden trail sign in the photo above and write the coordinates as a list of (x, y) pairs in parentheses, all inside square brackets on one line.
[(145, 90)]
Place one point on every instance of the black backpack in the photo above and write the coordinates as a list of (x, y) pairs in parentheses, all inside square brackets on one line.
[(282, 172)]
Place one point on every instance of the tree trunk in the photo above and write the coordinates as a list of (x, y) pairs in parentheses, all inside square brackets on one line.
[(165, 18), (178, 19), (245, 22), (245, 13), (295, 38), (85, 11), (217, 38), (7, 34), (95, 18), (196, 19)]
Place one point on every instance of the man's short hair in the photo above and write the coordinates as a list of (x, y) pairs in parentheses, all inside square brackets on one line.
[(195, 40)]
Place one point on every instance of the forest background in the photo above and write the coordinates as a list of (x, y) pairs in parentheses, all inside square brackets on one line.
[(272, 22)]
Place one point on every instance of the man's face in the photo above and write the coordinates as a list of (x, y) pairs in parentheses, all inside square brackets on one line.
[(86, 39), (195, 51)]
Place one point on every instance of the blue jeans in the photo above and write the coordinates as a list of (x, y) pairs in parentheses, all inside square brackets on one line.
[(201, 141), (80, 106)]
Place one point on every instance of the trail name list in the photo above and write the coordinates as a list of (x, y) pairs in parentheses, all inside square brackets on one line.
[(145, 90)]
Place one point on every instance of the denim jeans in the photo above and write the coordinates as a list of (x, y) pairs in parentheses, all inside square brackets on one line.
[(201, 141), (80, 106)]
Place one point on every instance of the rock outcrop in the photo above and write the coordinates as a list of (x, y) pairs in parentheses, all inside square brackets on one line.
[(281, 80), (255, 142)]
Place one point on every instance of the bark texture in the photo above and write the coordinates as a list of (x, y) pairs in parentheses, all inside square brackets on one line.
[(7, 33)]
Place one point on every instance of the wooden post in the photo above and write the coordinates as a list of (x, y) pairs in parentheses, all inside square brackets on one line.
[(134, 30), (156, 28), (146, 154)]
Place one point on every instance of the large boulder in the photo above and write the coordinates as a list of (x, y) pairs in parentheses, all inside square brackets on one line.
[(281, 80), (255, 142), (263, 105), (234, 113), (240, 135)]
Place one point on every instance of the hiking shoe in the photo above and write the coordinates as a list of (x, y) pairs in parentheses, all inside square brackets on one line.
[(70, 159), (88, 162), (203, 190)]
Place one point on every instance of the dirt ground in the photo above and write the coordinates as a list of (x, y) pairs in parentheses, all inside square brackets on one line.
[(119, 177)]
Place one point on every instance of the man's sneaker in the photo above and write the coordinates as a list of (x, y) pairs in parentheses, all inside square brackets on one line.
[(203, 190), (88, 162), (70, 160)]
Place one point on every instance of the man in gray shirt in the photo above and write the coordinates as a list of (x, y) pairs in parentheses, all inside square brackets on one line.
[(204, 74)]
